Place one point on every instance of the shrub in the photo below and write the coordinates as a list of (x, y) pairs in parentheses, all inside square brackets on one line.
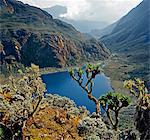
[(142, 116), (114, 102), (20, 100)]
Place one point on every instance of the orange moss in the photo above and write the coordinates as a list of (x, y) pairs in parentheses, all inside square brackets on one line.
[(52, 124)]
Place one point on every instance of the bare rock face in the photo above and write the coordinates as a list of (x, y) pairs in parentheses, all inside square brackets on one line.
[(31, 35), (48, 49), (42, 49)]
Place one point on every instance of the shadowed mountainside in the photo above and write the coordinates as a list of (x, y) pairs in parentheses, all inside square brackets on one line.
[(130, 38), (31, 35), (132, 30), (105, 31)]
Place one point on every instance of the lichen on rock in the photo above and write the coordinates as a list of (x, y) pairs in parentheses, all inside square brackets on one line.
[(94, 129)]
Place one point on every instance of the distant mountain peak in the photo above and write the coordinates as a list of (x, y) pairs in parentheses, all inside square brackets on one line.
[(56, 10), (81, 25)]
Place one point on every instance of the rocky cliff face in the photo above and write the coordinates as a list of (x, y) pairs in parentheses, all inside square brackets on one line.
[(42, 49), (31, 35)]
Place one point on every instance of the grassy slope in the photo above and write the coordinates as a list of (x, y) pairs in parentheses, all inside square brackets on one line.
[(130, 39), (118, 69)]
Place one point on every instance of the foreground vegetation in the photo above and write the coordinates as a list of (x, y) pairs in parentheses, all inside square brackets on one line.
[(112, 101), (28, 112)]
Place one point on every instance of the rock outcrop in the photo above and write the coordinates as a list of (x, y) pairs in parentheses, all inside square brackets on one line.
[(31, 35), (94, 129)]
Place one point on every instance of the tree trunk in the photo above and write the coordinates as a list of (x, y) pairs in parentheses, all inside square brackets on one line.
[(109, 117), (91, 97), (23, 129), (97, 108), (117, 120)]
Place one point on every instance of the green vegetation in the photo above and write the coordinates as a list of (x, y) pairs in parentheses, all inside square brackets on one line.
[(27, 113), (20, 99), (91, 72), (114, 102), (136, 87), (110, 102), (30, 35), (142, 116)]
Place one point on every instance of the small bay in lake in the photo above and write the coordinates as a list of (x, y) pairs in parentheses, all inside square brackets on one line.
[(62, 84)]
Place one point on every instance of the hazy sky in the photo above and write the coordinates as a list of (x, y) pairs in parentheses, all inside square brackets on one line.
[(96, 10)]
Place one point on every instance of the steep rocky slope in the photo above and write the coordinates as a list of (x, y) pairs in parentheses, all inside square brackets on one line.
[(131, 30), (131, 38), (31, 35)]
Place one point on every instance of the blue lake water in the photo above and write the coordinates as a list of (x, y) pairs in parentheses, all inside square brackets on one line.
[(62, 84)]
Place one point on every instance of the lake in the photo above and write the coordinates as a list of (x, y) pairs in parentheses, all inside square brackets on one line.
[(62, 84)]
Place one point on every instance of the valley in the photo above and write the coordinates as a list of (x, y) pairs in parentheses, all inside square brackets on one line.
[(65, 74)]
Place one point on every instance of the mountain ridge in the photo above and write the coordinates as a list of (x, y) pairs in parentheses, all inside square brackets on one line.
[(31, 35), (129, 23), (81, 25), (130, 38), (102, 32)]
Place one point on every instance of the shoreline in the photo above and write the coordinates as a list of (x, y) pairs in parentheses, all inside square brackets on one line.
[(55, 70), (50, 70), (103, 63)]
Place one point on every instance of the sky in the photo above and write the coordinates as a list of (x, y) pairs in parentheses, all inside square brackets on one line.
[(93, 10)]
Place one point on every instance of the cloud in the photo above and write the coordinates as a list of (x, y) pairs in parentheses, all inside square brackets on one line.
[(109, 10), (76, 8), (96, 10)]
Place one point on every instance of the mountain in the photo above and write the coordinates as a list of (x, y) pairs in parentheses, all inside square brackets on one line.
[(102, 32), (131, 30), (31, 35), (84, 26), (131, 37), (56, 10)]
